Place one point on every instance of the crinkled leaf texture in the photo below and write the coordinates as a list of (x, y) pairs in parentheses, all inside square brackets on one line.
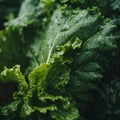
[(47, 94), (65, 77), (65, 25), (89, 65), (14, 75), (19, 33)]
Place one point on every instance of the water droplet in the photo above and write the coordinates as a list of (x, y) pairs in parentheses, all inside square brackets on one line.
[(75, 12), (4, 39), (66, 27)]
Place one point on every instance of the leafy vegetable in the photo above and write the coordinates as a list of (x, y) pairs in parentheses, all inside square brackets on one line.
[(68, 51), (13, 75), (8, 10)]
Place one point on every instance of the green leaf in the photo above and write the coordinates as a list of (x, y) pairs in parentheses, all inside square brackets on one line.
[(47, 92), (15, 76), (65, 26)]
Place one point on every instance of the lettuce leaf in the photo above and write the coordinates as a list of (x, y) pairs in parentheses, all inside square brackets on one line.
[(47, 93), (19, 34), (89, 65), (13, 75), (65, 26), (69, 54)]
